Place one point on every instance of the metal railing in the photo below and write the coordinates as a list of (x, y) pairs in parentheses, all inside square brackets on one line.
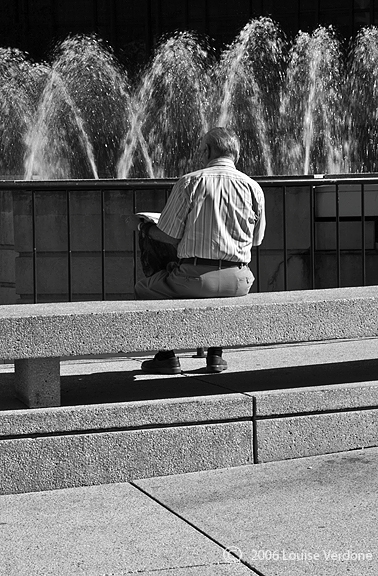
[(352, 210), (280, 192)]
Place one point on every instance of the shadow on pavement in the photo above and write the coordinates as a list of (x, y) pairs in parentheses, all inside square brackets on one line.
[(127, 386)]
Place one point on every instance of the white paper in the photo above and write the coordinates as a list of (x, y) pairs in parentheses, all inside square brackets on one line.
[(149, 216)]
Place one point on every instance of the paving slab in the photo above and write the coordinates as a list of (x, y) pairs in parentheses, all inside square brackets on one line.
[(310, 516), (101, 531)]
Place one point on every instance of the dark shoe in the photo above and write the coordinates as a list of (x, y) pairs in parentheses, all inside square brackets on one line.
[(215, 363), (164, 366)]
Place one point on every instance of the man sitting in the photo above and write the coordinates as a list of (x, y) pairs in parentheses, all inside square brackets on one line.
[(213, 217)]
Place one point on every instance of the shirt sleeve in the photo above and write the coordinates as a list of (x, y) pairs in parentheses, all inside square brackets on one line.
[(173, 217), (259, 230)]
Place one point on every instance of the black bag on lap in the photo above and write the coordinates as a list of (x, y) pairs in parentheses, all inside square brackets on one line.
[(155, 256)]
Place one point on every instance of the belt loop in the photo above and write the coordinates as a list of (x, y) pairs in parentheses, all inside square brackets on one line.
[(219, 264), (195, 260)]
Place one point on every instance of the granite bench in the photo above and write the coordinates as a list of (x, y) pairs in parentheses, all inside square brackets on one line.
[(35, 336)]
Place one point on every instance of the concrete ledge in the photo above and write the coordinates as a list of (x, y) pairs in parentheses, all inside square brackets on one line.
[(316, 399), (125, 415), (197, 421), (46, 449), (63, 447), (48, 463), (50, 331), (71, 329), (296, 437), (292, 423)]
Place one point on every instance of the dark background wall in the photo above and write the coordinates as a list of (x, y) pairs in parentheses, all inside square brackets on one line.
[(132, 27)]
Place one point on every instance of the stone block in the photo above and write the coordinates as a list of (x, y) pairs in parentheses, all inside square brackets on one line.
[(51, 270), (297, 219), (6, 218), (86, 232), (150, 201), (77, 328), (350, 269), (7, 264), (320, 399), (118, 205), (52, 462), (299, 436), (86, 278), (122, 415), (50, 218), (7, 294), (7, 275), (349, 200), (272, 271), (350, 235), (119, 277), (37, 382)]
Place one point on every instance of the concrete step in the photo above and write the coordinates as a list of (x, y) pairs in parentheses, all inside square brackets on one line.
[(117, 424)]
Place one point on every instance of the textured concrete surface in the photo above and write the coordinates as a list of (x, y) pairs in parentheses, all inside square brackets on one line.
[(60, 461), (316, 399), (98, 531), (69, 329), (126, 415), (37, 381), (118, 423), (312, 516), (295, 437), (308, 517)]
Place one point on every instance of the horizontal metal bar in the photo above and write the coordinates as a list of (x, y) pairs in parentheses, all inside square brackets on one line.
[(149, 183), (93, 185), (345, 218)]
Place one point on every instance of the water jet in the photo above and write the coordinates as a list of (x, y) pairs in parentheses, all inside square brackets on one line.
[(301, 107)]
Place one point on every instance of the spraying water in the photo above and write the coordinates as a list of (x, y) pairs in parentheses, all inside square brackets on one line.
[(299, 107), (47, 159), (311, 112), (169, 110), (247, 80), (81, 116), (20, 88), (363, 101)]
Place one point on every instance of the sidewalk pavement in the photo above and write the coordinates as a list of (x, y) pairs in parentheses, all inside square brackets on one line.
[(311, 516)]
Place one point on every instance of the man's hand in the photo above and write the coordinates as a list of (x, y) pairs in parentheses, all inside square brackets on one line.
[(132, 222)]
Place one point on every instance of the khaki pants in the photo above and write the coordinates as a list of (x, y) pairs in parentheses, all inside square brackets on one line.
[(193, 281)]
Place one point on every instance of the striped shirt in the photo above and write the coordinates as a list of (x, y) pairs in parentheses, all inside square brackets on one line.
[(217, 212)]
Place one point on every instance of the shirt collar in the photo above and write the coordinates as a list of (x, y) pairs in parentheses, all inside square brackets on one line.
[(221, 161)]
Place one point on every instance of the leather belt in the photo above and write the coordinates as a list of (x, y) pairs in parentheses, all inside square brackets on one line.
[(209, 262)]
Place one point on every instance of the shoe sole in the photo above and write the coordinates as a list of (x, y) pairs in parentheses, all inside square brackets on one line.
[(212, 369), (166, 371)]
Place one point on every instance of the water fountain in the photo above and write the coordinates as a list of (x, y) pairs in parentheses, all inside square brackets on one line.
[(300, 107), (304, 107)]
